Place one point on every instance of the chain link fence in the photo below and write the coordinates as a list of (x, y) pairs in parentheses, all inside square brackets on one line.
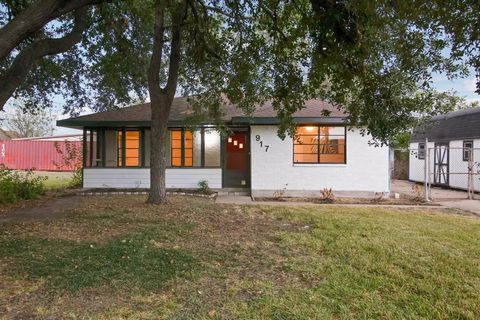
[(439, 165)]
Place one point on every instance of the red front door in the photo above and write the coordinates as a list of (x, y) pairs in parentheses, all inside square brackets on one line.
[(236, 162)]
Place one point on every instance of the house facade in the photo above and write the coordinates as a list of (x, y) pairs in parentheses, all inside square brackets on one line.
[(450, 144), (325, 153)]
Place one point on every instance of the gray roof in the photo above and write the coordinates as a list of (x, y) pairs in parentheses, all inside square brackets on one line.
[(139, 115), (456, 125)]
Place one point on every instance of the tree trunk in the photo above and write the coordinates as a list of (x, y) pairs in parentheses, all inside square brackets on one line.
[(160, 106), (162, 98)]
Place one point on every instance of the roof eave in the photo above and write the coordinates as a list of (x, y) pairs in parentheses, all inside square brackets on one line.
[(79, 124), (297, 120)]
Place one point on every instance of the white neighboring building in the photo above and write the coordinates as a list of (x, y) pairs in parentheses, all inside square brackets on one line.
[(325, 153), (453, 143)]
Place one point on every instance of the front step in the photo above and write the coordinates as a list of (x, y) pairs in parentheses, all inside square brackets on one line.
[(233, 192)]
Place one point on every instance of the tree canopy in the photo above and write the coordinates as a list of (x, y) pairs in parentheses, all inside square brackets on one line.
[(372, 58)]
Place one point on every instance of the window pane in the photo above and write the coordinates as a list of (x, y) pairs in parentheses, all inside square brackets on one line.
[(132, 148), (212, 148), (332, 131), (324, 144), (131, 153), (305, 158), (176, 134), (306, 139), (176, 153), (332, 148), (177, 144), (111, 148), (302, 130), (132, 162), (332, 158), (176, 162), (94, 148), (197, 149), (302, 148)]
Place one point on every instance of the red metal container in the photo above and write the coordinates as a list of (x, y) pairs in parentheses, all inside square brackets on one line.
[(36, 155)]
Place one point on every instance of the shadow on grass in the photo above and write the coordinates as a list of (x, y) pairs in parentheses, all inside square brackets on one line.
[(133, 261)]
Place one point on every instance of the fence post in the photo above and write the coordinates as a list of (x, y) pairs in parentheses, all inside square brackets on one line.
[(470, 173), (426, 169)]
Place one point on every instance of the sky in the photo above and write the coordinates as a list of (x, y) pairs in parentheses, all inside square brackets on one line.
[(463, 87)]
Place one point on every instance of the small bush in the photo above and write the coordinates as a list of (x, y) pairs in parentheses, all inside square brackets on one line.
[(17, 186), (204, 187)]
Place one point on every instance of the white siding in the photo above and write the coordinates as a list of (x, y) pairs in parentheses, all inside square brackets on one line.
[(457, 167), (140, 177), (366, 170), (416, 166)]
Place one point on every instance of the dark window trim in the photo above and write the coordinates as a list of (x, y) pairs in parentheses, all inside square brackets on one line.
[(101, 136), (202, 149), (318, 144), (464, 149)]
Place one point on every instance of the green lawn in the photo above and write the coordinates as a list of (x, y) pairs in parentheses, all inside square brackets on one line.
[(116, 257), (56, 180)]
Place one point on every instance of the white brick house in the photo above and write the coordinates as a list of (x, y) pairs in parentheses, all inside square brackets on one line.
[(325, 154)]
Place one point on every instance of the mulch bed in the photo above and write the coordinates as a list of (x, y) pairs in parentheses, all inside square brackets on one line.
[(386, 201)]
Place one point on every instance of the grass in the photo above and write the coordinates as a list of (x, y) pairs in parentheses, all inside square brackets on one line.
[(116, 257), (56, 180)]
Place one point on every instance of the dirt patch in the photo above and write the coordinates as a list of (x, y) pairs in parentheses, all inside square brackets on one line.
[(42, 209)]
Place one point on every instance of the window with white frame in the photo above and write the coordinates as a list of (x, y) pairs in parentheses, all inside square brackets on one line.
[(467, 150)]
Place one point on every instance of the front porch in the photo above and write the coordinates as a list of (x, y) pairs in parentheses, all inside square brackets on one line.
[(120, 158)]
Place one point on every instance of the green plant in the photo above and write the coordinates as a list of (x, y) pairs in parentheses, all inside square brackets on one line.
[(17, 186), (204, 187)]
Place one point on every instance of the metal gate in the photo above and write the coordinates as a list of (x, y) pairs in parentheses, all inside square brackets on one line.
[(440, 168)]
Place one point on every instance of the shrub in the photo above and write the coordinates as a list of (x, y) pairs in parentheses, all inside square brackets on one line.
[(17, 186), (204, 187), (71, 157), (327, 195)]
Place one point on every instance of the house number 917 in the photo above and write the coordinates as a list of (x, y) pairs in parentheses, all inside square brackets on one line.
[(266, 146)]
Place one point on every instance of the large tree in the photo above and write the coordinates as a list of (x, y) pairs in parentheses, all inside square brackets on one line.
[(30, 123)]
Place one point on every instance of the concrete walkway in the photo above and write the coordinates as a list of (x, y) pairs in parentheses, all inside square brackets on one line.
[(448, 198)]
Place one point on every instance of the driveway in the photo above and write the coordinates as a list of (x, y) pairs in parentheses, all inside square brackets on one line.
[(449, 198)]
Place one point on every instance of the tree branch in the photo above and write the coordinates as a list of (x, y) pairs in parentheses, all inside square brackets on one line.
[(34, 18), (175, 50), (24, 61)]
